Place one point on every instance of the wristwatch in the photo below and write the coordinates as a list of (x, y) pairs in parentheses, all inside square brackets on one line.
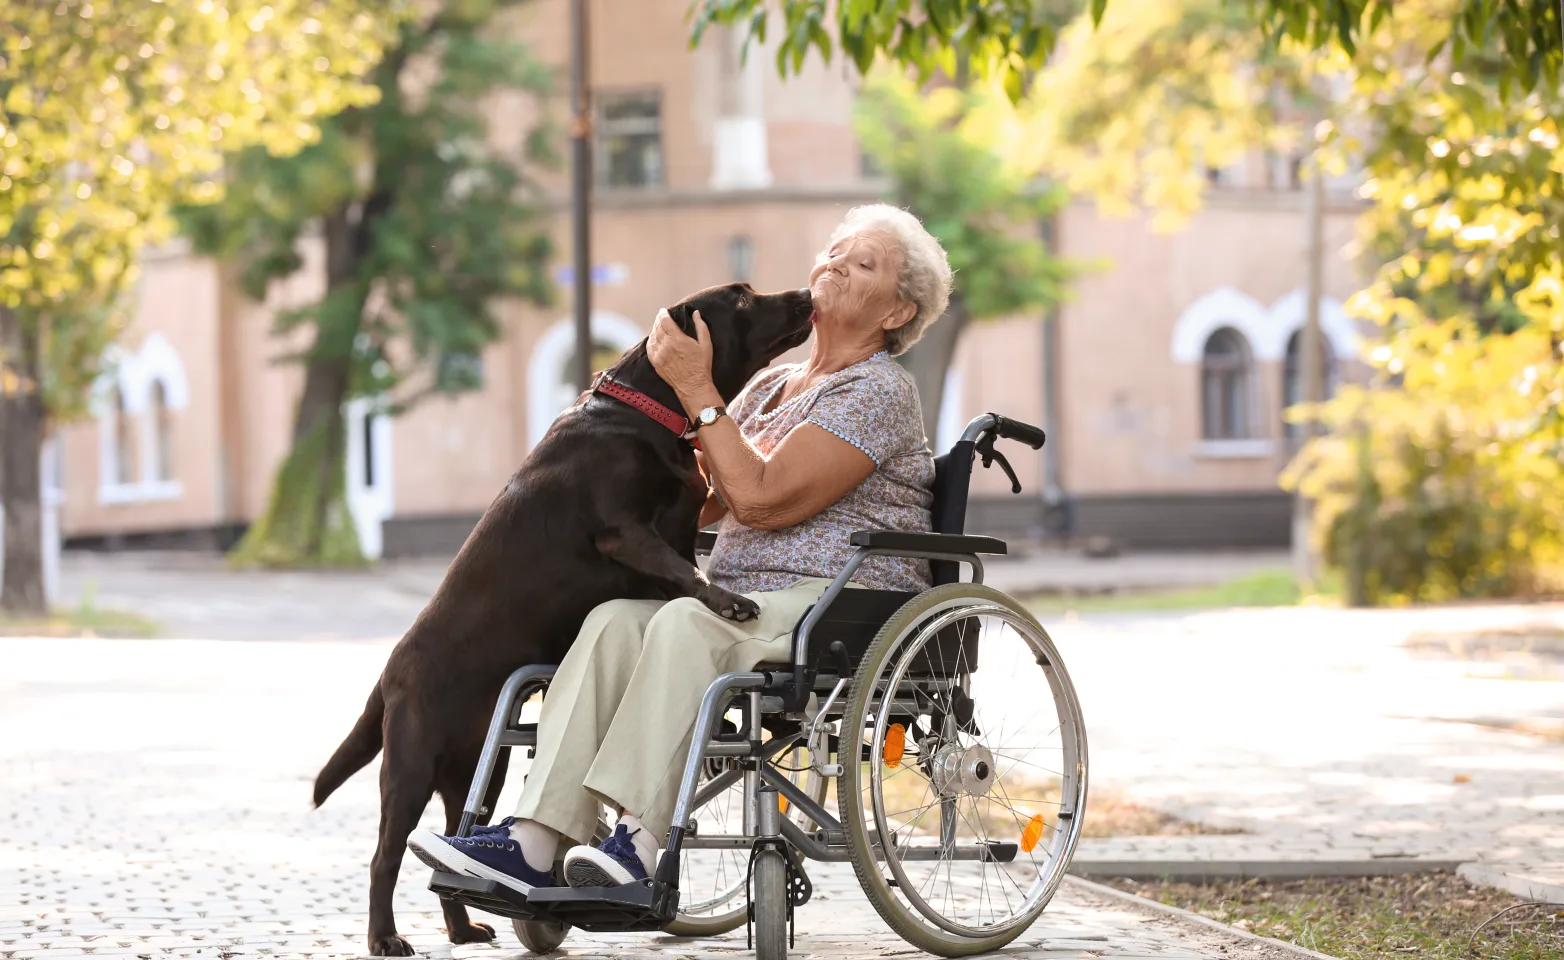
[(709, 416)]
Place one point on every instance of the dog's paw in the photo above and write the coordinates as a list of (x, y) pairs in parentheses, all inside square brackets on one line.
[(391, 945), (474, 932), (731, 606)]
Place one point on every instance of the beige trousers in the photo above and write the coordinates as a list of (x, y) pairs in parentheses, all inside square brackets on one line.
[(617, 719)]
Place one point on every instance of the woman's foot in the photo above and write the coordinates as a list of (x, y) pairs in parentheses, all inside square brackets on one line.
[(625, 857), (491, 853)]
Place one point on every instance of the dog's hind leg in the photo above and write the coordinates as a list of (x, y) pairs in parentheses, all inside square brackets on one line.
[(406, 784), (454, 782)]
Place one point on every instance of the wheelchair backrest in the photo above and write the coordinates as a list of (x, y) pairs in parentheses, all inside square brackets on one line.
[(952, 478)]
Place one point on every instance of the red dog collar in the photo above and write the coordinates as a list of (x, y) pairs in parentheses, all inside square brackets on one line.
[(678, 423)]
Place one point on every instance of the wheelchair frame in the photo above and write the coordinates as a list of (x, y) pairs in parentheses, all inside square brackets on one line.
[(790, 690)]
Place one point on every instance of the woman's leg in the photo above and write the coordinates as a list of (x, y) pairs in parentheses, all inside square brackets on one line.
[(577, 711), (576, 714), (641, 758)]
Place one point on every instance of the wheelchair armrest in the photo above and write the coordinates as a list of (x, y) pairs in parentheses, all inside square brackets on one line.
[(894, 540), (705, 540)]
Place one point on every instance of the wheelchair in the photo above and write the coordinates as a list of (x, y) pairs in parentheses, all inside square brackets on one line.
[(943, 722)]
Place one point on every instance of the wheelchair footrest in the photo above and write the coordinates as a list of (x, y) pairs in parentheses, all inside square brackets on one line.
[(629, 907), (485, 895)]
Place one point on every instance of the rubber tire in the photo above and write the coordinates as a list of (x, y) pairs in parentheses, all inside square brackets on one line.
[(771, 895), (540, 936), (718, 924), (856, 814)]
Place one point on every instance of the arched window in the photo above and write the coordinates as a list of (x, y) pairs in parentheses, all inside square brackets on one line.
[(1292, 376), (1224, 386), (162, 433), (124, 463)]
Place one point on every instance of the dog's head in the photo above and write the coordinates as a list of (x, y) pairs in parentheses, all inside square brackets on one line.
[(748, 329)]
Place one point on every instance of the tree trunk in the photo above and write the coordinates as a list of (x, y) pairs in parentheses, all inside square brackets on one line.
[(307, 522), (21, 455), (929, 360)]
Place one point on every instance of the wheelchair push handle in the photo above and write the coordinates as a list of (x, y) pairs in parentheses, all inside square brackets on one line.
[(985, 428), (989, 427), (1009, 429)]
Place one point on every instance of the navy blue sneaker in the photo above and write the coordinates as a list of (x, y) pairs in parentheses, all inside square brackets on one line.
[(489, 853), (610, 865)]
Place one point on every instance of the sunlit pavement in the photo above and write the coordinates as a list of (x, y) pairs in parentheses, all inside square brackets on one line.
[(154, 794), (155, 803), (1319, 733)]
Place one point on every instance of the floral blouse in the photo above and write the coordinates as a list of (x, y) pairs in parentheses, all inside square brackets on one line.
[(874, 406)]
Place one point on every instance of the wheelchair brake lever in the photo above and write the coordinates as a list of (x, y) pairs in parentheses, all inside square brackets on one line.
[(1015, 484), (987, 453)]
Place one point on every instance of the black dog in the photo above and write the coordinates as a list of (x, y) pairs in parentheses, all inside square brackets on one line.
[(606, 506)]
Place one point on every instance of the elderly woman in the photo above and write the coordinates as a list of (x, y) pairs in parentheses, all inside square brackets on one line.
[(809, 453)]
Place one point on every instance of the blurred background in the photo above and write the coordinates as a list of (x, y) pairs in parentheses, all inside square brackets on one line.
[(289, 288), (300, 285)]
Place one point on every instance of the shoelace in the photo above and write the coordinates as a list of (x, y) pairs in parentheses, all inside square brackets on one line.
[(619, 846), (502, 827)]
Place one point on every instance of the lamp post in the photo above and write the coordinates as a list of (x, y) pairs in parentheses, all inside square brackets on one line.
[(1310, 370), (581, 189)]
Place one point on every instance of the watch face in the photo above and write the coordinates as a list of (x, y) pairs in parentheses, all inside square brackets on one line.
[(709, 416)]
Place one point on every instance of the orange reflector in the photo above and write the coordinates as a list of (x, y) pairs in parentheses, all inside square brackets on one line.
[(895, 745), (783, 801), (1032, 834)]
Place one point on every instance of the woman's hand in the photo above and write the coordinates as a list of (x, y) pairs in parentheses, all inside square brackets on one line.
[(683, 361)]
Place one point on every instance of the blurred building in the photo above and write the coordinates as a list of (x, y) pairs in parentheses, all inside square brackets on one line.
[(1172, 366)]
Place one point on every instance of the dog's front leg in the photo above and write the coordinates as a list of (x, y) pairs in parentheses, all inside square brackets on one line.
[(638, 547)]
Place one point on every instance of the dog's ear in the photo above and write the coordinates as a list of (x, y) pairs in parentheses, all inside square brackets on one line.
[(683, 316)]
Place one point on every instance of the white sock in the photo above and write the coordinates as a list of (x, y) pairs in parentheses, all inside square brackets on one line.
[(538, 843), (643, 842)]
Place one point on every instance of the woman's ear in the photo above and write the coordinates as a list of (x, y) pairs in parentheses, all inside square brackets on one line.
[(900, 315)]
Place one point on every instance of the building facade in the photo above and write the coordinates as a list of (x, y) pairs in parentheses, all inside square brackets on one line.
[(1171, 364)]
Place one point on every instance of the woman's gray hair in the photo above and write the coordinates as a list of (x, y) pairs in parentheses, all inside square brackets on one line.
[(923, 276)]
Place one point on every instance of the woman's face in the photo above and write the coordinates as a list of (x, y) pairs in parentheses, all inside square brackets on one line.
[(854, 283)]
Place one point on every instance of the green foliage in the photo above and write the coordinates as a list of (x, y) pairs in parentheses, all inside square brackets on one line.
[(1010, 39), (434, 223), (965, 163), (1135, 110), (111, 112), (1263, 588), (1446, 478)]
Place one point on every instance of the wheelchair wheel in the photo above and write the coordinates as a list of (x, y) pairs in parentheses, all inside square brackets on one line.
[(711, 882), (540, 936), (971, 780), (770, 892)]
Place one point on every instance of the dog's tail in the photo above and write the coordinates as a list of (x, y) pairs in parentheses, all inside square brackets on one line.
[(360, 747)]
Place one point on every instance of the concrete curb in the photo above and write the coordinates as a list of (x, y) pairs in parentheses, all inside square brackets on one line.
[(1197, 871), (1190, 917), (1486, 875)]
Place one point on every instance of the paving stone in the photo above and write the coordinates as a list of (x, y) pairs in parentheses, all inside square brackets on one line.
[(191, 830)]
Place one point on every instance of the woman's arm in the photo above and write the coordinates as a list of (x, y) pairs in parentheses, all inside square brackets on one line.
[(808, 471)]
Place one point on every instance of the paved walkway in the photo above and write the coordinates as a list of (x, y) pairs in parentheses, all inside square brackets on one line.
[(156, 804), (156, 790), (1326, 738)]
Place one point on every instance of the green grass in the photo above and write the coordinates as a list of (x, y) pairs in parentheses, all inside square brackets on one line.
[(85, 620), (1266, 588), (1432, 916)]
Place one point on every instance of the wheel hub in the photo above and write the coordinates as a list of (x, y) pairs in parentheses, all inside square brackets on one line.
[(968, 771)]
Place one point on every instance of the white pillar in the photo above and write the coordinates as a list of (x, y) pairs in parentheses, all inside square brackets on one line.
[(739, 157), (369, 489), (51, 496)]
